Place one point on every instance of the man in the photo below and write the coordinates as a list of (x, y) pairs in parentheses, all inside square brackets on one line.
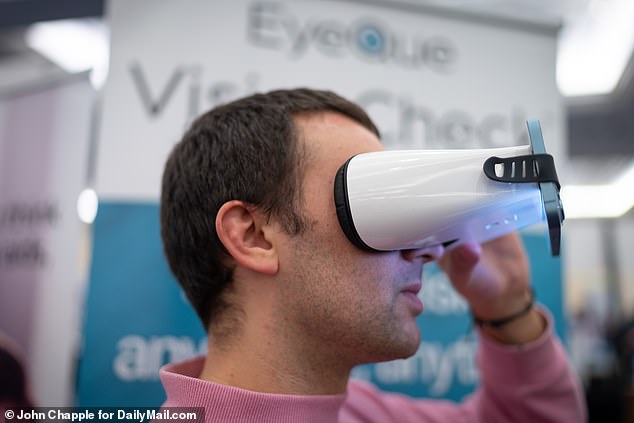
[(291, 306)]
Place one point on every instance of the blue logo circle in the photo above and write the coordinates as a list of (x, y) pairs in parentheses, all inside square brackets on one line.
[(370, 40)]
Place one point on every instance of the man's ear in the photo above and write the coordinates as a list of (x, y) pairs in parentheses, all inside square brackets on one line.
[(245, 233)]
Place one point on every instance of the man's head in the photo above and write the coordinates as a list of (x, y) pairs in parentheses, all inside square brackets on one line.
[(248, 220), (246, 150)]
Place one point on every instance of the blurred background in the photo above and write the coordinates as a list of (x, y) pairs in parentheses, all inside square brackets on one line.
[(93, 93)]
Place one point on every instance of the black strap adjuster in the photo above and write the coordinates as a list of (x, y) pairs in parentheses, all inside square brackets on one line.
[(523, 169)]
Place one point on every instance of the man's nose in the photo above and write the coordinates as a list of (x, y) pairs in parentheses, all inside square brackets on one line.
[(427, 254)]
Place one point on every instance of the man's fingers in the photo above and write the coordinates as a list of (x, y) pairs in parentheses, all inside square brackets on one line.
[(460, 261)]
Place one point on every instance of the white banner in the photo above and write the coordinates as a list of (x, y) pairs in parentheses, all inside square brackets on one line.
[(44, 134), (429, 81)]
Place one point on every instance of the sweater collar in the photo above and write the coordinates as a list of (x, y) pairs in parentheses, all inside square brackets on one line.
[(229, 403)]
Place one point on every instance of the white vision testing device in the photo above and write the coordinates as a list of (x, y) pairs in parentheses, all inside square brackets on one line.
[(405, 199)]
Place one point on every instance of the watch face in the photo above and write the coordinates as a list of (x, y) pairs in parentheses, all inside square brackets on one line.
[(550, 191)]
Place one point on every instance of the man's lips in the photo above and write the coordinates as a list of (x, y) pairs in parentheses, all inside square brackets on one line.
[(413, 288), (410, 292)]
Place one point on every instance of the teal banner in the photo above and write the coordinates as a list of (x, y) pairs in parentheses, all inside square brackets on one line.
[(138, 319)]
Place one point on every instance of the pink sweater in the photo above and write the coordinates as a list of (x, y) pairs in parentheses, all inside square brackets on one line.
[(532, 383)]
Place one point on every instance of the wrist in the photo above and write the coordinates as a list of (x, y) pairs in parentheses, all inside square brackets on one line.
[(506, 317), (516, 322), (525, 329), (502, 306)]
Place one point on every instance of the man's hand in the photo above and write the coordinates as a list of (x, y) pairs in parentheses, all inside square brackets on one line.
[(495, 281)]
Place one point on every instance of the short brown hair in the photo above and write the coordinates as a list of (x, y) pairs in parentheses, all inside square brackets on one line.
[(245, 150)]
